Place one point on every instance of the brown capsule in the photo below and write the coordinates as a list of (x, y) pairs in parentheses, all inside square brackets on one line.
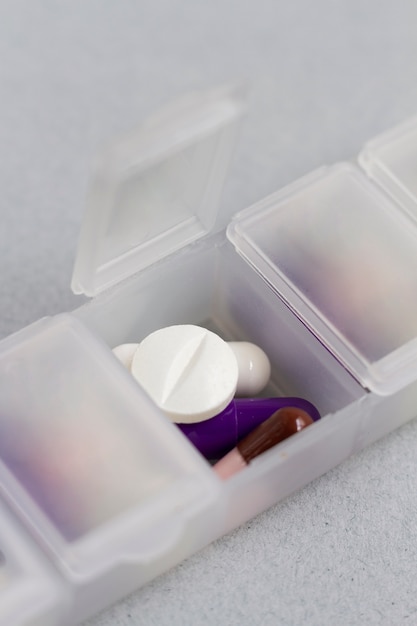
[(281, 425)]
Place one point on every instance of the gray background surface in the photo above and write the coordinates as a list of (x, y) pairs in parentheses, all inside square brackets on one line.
[(325, 76)]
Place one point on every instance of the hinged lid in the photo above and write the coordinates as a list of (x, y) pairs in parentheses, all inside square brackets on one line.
[(344, 259), (157, 189)]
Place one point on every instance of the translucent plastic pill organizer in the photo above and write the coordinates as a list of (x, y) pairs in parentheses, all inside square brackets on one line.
[(99, 491)]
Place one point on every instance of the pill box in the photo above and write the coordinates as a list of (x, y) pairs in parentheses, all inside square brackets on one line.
[(321, 275)]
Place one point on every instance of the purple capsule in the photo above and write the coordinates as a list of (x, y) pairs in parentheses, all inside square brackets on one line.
[(216, 436)]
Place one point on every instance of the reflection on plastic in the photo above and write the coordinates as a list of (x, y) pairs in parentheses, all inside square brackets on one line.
[(4, 571)]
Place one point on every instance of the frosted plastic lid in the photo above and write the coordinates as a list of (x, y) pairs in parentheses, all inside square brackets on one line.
[(157, 189), (391, 160), (86, 460), (344, 258)]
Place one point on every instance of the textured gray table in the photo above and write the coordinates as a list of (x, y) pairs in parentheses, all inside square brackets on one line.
[(325, 76)]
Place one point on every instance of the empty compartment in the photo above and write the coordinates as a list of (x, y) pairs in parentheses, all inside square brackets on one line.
[(391, 160), (343, 257)]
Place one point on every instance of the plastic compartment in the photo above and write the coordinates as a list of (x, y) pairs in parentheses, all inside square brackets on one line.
[(214, 287), (391, 160), (211, 285), (343, 257), (98, 474), (30, 594)]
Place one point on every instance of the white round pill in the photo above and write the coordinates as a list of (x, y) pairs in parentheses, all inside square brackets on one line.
[(125, 353), (189, 372), (254, 368)]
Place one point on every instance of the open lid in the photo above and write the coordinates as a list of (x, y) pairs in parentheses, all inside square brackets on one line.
[(157, 189), (343, 257)]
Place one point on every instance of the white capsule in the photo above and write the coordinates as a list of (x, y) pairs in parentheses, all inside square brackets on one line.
[(125, 353), (189, 372), (254, 368)]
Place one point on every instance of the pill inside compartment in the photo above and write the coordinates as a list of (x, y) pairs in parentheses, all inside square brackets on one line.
[(214, 287)]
